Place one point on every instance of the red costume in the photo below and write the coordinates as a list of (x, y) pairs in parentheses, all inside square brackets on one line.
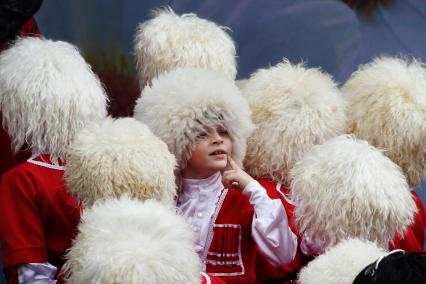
[(232, 251), (413, 239), (284, 274), (39, 216)]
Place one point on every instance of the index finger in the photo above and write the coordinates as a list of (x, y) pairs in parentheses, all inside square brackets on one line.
[(232, 163)]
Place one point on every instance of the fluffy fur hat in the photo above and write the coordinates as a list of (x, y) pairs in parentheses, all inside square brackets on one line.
[(340, 264), (293, 109), (354, 187), (179, 105), (126, 241), (120, 157), (47, 93), (387, 107), (168, 41)]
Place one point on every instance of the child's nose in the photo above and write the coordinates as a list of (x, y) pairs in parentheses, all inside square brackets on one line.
[(217, 138)]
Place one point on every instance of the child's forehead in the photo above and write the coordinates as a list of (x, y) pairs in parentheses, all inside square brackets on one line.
[(214, 127)]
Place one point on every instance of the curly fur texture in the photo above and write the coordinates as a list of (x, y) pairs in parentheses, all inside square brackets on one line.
[(126, 241), (120, 157), (345, 188), (387, 107), (181, 103), (168, 41), (47, 93), (340, 264), (293, 109)]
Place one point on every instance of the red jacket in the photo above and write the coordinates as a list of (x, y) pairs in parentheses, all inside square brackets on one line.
[(231, 249), (264, 270), (413, 239), (39, 217)]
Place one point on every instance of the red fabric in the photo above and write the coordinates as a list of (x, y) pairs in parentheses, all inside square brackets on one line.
[(233, 223), (207, 278), (413, 239), (419, 219), (264, 270), (39, 217), (8, 160), (30, 28)]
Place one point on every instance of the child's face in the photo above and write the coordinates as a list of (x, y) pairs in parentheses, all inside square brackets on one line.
[(212, 148)]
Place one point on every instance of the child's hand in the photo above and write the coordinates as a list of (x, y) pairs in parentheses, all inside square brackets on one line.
[(234, 177)]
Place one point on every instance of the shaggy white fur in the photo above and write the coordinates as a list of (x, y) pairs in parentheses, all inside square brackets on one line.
[(342, 263), (345, 188), (293, 109), (47, 93), (169, 41), (126, 241), (387, 107), (179, 104), (120, 157)]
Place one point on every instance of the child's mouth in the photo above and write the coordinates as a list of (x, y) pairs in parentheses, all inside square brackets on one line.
[(217, 152)]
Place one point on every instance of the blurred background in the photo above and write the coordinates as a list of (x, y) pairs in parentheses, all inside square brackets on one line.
[(336, 35)]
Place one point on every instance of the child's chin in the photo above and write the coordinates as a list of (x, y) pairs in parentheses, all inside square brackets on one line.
[(220, 167)]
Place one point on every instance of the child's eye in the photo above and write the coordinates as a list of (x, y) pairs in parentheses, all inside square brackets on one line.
[(202, 135), (223, 132)]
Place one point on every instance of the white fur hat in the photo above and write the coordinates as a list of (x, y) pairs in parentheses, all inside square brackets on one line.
[(47, 93), (127, 241), (179, 104), (169, 41), (342, 263), (120, 157), (387, 107), (345, 188), (293, 109)]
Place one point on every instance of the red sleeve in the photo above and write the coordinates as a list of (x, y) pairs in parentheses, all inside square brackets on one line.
[(21, 230), (210, 279), (419, 219)]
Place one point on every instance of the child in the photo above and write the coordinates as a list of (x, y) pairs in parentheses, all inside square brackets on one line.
[(130, 232), (294, 108), (128, 241), (47, 93), (168, 41), (356, 188), (205, 122), (118, 157), (387, 107)]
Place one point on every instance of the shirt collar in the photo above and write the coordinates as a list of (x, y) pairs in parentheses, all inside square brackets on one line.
[(192, 187)]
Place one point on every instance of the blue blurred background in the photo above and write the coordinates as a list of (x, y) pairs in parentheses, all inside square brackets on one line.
[(330, 34)]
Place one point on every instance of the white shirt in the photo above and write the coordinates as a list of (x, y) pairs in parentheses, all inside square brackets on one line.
[(270, 228)]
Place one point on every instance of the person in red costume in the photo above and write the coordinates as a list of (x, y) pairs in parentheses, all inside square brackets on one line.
[(124, 175), (352, 185), (16, 19), (294, 108), (205, 121), (387, 107), (43, 103)]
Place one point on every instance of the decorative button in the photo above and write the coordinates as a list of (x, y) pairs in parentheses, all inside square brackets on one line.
[(200, 214)]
